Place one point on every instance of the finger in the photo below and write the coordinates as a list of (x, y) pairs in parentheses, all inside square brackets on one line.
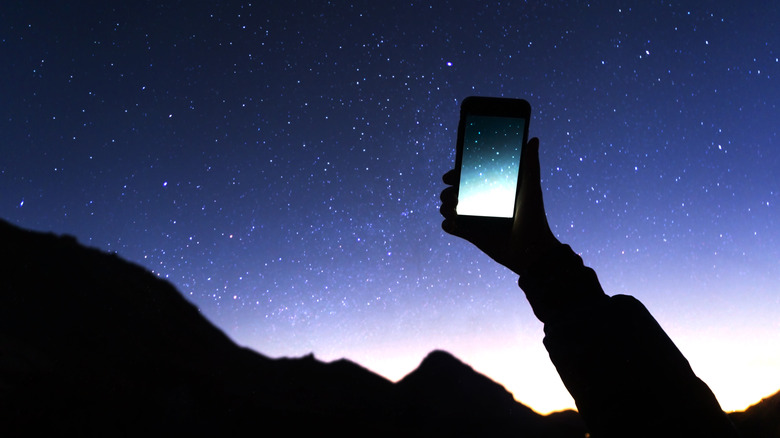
[(451, 177), (534, 219), (448, 204), (531, 185), (448, 210), (448, 225), (449, 200), (532, 211), (449, 195), (531, 160)]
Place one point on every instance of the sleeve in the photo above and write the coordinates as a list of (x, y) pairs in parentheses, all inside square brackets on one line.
[(625, 374)]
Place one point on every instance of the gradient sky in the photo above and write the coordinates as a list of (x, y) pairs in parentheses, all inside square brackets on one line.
[(280, 162)]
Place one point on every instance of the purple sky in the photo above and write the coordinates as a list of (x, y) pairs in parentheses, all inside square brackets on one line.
[(281, 166)]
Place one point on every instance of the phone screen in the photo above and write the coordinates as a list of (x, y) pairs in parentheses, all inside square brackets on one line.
[(490, 165)]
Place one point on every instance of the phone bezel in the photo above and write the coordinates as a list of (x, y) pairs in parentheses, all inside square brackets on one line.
[(496, 107)]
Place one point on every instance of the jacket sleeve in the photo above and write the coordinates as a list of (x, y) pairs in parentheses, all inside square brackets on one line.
[(625, 374)]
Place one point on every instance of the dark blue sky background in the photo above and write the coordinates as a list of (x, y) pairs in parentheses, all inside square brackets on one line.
[(280, 163)]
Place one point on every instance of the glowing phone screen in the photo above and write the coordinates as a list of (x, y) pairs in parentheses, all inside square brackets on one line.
[(490, 166)]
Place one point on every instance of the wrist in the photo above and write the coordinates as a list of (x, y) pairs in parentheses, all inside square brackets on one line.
[(556, 283)]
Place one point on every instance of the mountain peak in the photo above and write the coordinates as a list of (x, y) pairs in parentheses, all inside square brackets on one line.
[(441, 358), (445, 381), (92, 344)]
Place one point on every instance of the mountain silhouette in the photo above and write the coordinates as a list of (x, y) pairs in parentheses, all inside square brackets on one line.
[(92, 345), (761, 420), (449, 398)]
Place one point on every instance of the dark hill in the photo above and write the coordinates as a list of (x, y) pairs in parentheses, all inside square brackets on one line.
[(449, 398), (762, 420), (91, 345)]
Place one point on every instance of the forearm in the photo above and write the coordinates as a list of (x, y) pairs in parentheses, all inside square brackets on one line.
[(557, 284), (624, 372)]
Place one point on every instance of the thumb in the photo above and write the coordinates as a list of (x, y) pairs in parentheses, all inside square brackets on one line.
[(530, 161)]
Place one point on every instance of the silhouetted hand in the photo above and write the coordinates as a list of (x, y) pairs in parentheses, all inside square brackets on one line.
[(513, 245)]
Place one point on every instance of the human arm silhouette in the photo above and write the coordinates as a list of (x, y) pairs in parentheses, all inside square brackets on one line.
[(625, 374)]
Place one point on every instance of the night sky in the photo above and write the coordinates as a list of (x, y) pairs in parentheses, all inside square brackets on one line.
[(280, 162)]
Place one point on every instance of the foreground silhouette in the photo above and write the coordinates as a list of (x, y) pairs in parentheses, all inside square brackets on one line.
[(91, 345), (625, 374)]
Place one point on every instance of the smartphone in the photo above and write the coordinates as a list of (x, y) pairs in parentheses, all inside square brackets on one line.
[(491, 135)]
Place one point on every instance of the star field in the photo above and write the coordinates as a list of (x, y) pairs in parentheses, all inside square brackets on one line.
[(281, 165), (491, 165)]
